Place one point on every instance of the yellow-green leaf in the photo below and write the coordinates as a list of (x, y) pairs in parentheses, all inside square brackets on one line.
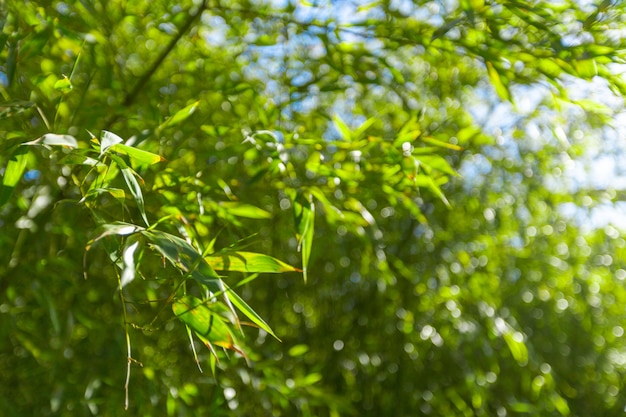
[(304, 212), (181, 115), (248, 262), (137, 156), (13, 172), (209, 326), (501, 89), (245, 210), (64, 85)]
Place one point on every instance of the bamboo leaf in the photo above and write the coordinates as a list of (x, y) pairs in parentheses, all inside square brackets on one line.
[(439, 163), (108, 139), (63, 85), (209, 326), (128, 259), (133, 185), (501, 89), (137, 156), (181, 115), (245, 210), (344, 130), (184, 257), (516, 345), (12, 173), (248, 262), (249, 312), (114, 229), (304, 212)]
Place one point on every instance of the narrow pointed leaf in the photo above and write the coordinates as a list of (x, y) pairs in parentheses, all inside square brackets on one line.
[(501, 89), (184, 257), (52, 139), (128, 258), (245, 210), (249, 312), (64, 85), (108, 139), (12, 174), (209, 326), (133, 185), (344, 130), (115, 229), (137, 156), (248, 262), (181, 115), (304, 212)]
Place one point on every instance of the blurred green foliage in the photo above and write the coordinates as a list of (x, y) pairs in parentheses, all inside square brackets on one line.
[(379, 150)]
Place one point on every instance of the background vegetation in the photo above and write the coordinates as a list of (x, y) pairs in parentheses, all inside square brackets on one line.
[(406, 194)]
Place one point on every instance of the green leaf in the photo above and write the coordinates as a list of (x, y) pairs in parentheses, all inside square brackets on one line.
[(12, 173), (298, 350), (108, 139), (184, 257), (181, 115), (501, 89), (133, 185), (436, 142), (515, 342), (114, 229), (344, 130), (304, 212), (128, 259), (248, 262), (52, 139), (560, 404), (244, 210), (427, 181), (209, 326), (249, 312), (364, 126), (439, 163), (137, 157), (64, 85), (116, 193), (79, 157)]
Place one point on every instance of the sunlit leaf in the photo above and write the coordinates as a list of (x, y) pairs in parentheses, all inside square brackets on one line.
[(244, 210), (344, 130), (181, 115), (501, 89), (364, 126), (433, 141), (133, 185), (107, 140), (560, 404), (248, 262), (249, 312), (209, 326), (304, 214), (138, 157), (114, 229), (13, 173), (439, 163), (128, 258), (116, 193), (183, 256), (64, 85), (55, 140), (298, 350), (515, 342)]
